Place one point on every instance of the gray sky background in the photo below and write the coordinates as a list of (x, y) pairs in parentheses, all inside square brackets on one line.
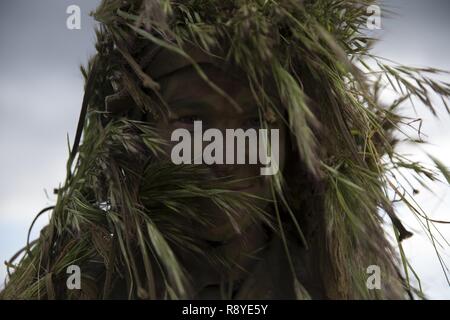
[(41, 90)]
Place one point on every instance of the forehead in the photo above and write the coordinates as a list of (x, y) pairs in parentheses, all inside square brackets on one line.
[(187, 85)]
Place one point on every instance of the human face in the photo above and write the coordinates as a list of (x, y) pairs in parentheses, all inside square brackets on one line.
[(190, 98)]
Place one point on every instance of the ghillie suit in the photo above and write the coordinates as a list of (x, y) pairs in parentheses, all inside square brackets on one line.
[(117, 213)]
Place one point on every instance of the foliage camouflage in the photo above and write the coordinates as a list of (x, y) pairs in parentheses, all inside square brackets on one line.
[(117, 212)]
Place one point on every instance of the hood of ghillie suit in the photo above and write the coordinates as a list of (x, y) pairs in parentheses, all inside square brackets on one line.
[(116, 213)]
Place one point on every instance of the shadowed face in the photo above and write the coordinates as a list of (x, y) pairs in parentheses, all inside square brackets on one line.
[(189, 99)]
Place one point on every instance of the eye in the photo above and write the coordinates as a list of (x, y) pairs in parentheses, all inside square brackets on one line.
[(188, 119), (186, 122), (253, 122)]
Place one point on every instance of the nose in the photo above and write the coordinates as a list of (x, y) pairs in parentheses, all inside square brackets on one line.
[(229, 152)]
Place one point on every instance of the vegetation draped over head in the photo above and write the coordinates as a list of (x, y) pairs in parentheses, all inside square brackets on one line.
[(117, 212)]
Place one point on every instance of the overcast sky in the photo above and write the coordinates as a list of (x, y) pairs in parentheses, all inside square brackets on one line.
[(41, 91)]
